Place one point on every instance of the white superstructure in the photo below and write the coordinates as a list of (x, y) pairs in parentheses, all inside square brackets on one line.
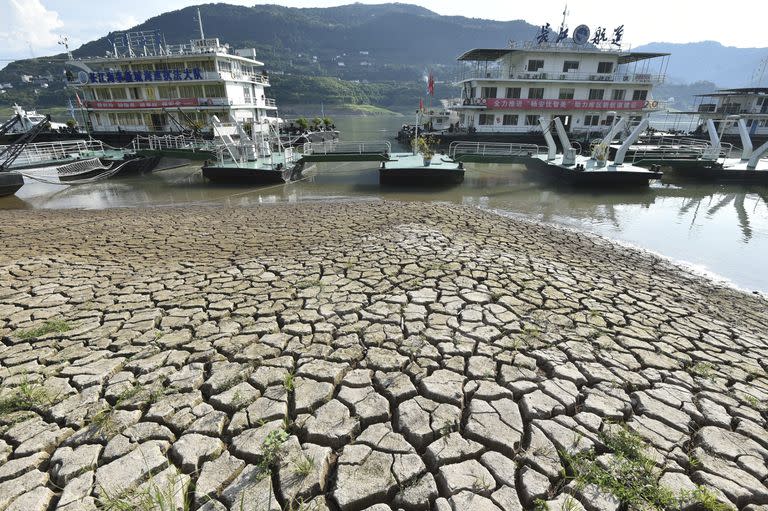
[(587, 85), (143, 85), (28, 119), (748, 103)]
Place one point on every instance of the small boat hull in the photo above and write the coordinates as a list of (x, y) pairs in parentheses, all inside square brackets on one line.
[(242, 175), (10, 182)]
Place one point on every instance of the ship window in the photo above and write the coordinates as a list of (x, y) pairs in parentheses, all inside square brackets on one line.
[(605, 67), (566, 94), (167, 92), (639, 95), (513, 92), (535, 65), (596, 93), (191, 91), (135, 93), (536, 93), (488, 92), (531, 120), (485, 119), (214, 91), (510, 120), (591, 120), (570, 64), (225, 66), (119, 93), (618, 94)]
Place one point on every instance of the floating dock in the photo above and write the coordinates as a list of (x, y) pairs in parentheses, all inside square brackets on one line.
[(595, 170), (711, 162), (410, 170)]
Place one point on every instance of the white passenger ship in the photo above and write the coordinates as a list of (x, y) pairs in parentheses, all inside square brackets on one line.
[(724, 105), (146, 86), (588, 82)]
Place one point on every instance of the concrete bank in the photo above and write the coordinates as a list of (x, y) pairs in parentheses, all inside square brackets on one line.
[(349, 355)]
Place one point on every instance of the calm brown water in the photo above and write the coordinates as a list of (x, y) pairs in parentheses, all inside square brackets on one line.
[(718, 230)]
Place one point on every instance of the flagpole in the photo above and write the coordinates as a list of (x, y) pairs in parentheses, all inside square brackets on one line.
[(430, 89), (416, 136)]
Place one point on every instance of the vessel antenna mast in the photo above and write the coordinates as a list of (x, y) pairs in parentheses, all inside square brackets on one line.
[(565, 14), (200, 23), (757, 76), (64, 41)]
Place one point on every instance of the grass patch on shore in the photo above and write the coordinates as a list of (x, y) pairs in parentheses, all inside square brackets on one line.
[(703, 370), (632, 477), (49, 327), (156, 497), (367, 110), (26, 396)]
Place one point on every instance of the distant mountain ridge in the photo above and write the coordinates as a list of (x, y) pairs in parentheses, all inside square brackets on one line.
[(389, 45), (396, 36), (727, 66)]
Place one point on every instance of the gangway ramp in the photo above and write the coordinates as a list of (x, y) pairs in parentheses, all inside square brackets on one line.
[(492, 152), (338, 151)]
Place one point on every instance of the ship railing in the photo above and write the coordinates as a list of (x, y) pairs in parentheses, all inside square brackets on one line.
[(177, 142), (681, 151), (271, 102), (500, 74), (459, 148), (53, 151), (339, 147)]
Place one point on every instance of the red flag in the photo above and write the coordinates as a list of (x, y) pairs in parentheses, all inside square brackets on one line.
[(431, 84), (421, 105), (79, 103)]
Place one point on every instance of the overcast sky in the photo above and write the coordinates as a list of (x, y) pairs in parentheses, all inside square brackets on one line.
[(33, 27)]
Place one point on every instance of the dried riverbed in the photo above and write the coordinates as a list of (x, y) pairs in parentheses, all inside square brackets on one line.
[(348, 355)]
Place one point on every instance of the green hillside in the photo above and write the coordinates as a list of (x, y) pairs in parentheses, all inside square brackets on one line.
[(348, 55)]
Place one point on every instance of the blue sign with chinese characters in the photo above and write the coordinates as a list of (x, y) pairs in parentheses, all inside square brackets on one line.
[(158, 75)]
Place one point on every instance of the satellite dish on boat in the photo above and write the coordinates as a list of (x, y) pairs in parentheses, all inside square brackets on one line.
[(581, 34)]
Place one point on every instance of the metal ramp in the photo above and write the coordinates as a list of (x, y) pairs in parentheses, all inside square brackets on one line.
[(338, 151), (492, 152), (335, 150)]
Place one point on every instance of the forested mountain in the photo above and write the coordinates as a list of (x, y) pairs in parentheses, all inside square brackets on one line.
[(381, 52)]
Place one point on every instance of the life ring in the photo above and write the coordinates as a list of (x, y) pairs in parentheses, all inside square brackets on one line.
[(654, 104)]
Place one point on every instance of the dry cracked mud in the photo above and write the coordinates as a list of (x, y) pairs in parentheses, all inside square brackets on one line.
[(380, 355)]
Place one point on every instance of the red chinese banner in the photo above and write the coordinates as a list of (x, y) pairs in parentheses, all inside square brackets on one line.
[(164, 103), (562, 104)]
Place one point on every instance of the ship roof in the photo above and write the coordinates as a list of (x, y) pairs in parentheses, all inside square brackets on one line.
[(735, 92), (492, 54), (165, 57)]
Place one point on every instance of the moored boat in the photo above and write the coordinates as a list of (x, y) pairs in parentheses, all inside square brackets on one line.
[(712, 162), (407, 169), (145, 86), (245, 161), (594, 171), (586, 81), (10, 183)]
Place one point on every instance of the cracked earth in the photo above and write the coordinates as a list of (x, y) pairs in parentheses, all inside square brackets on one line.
[(359, 356)]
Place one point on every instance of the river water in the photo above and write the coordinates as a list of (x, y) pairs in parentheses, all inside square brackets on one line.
[(718, 230)]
